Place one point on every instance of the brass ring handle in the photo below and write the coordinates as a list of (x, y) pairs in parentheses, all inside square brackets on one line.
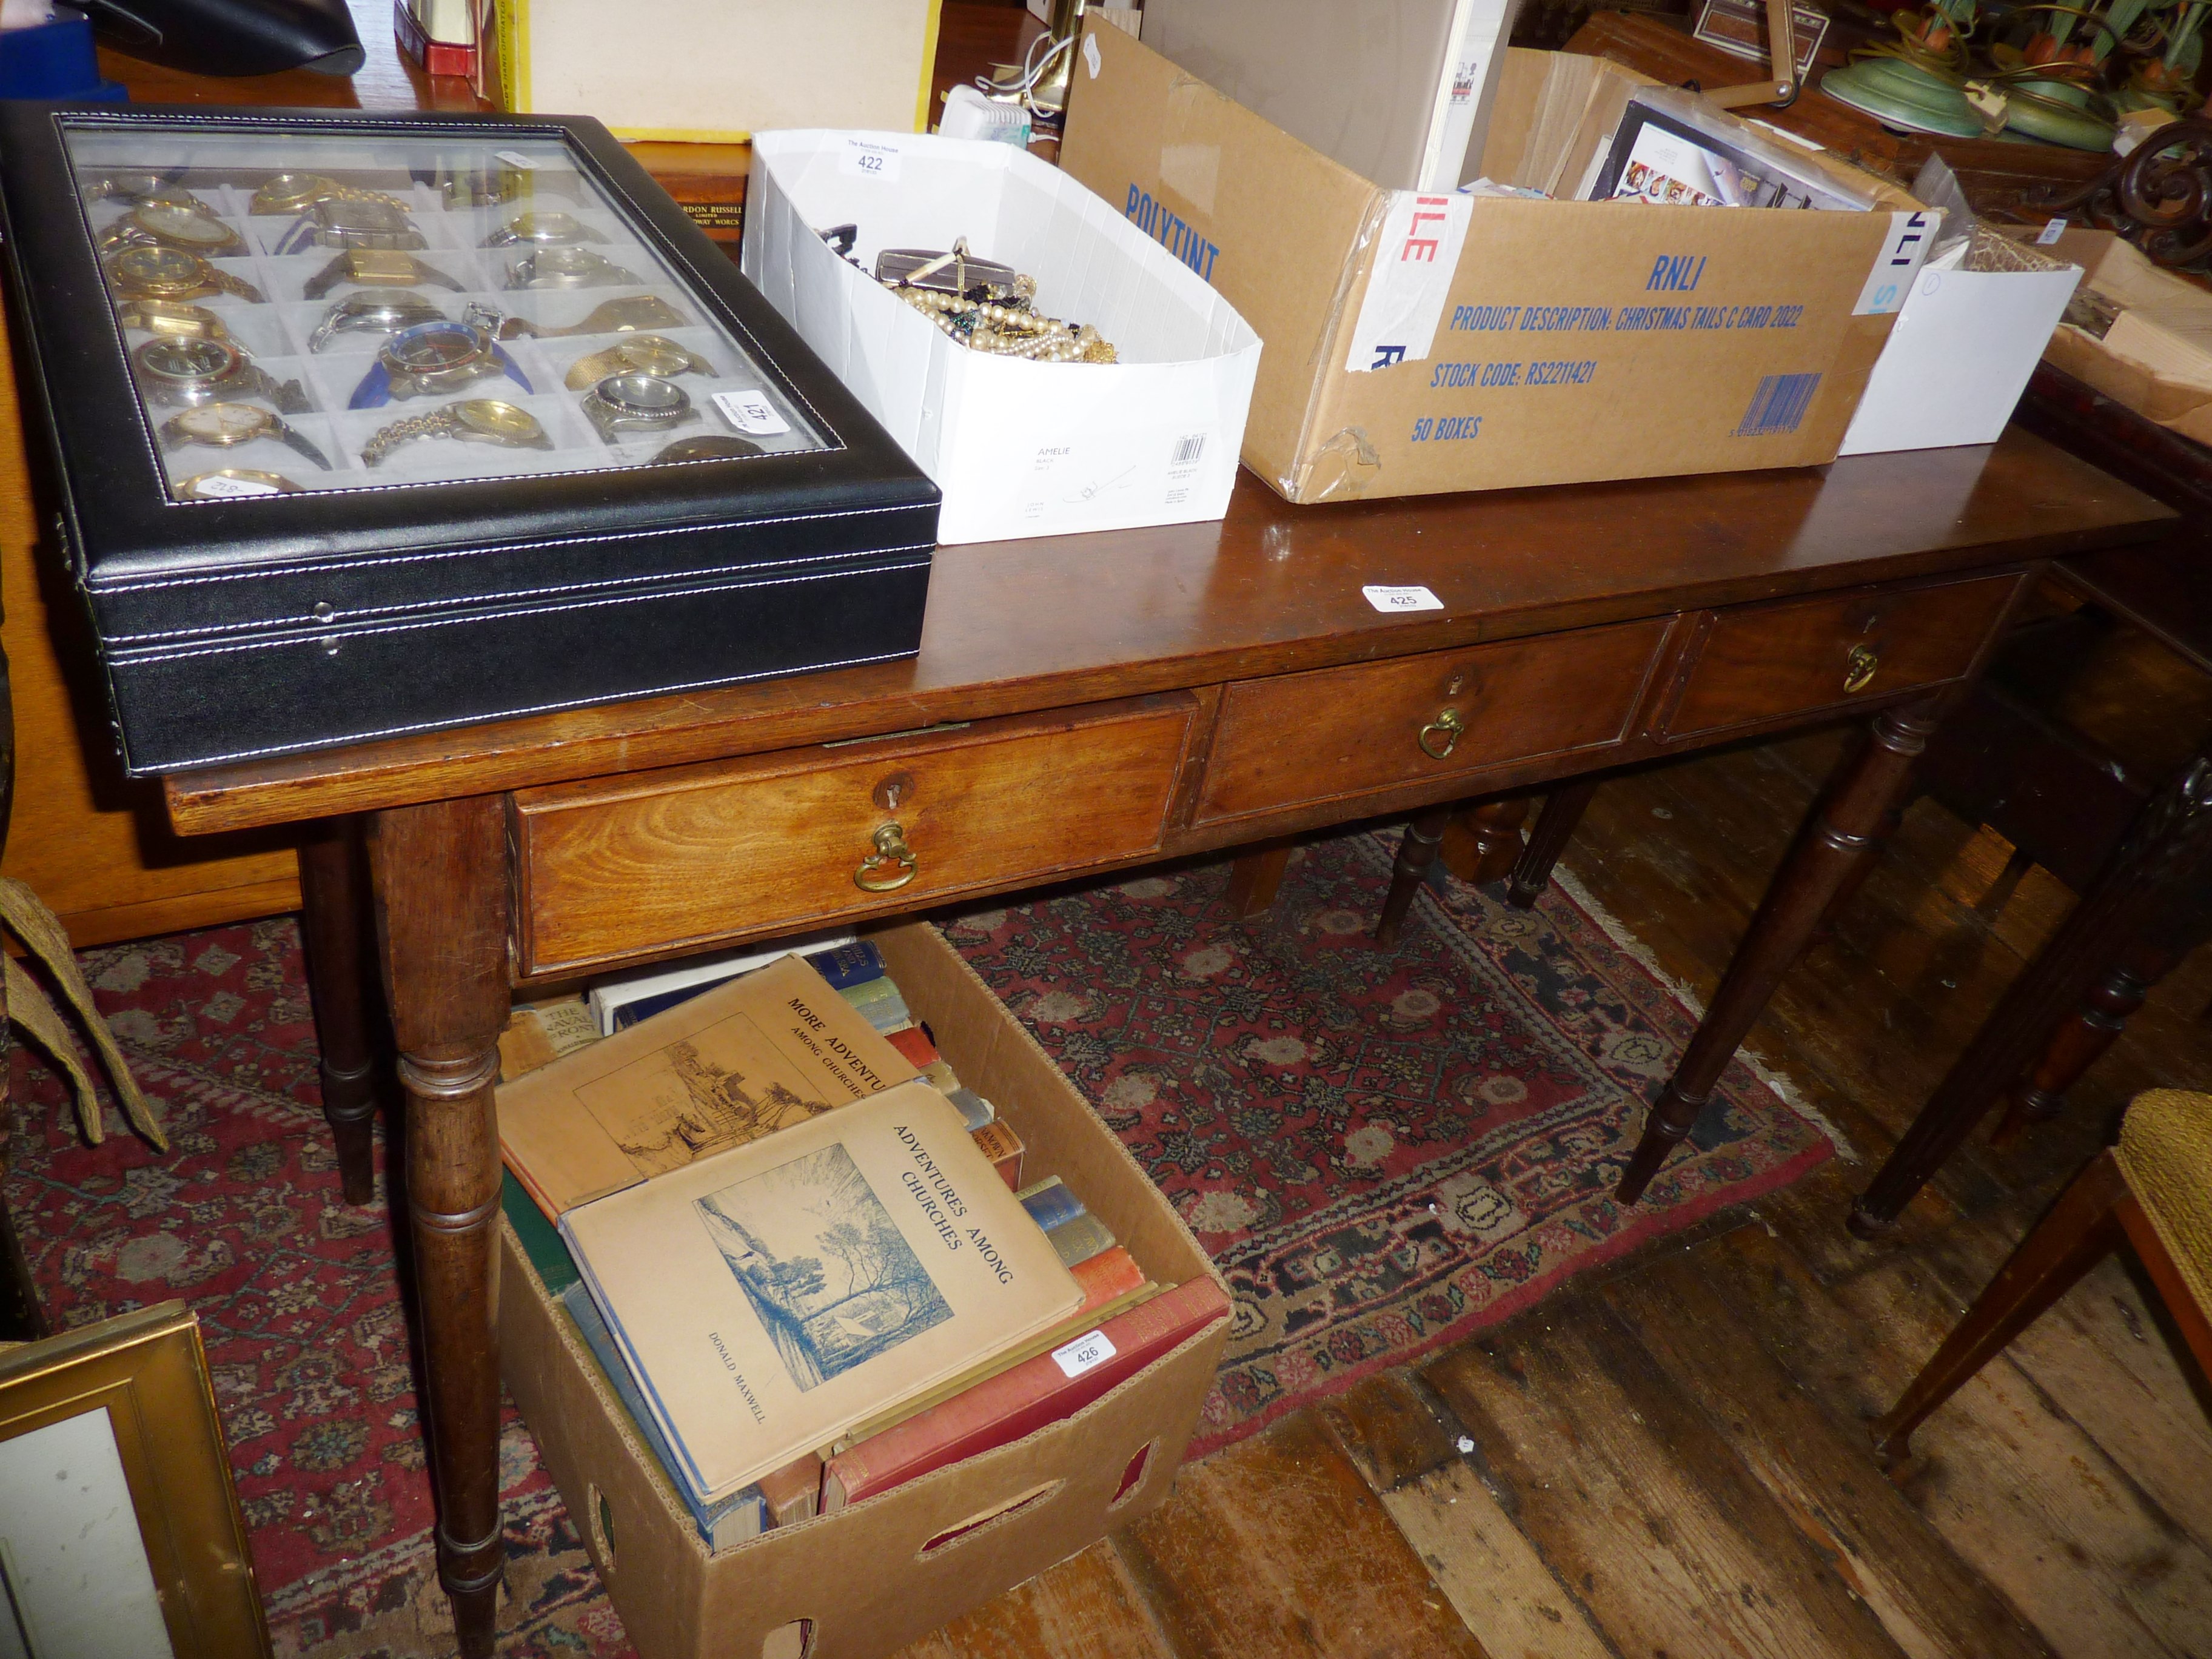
[(1451, 725), (890, 866), (1860, 668)]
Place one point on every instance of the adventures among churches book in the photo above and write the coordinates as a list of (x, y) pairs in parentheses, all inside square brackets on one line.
[(775, 1048), (770, 1297)]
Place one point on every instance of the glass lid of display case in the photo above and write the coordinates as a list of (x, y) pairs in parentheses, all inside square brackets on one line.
[(325, 310)]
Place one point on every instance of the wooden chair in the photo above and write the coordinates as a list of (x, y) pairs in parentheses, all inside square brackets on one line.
[(2154, 1189)]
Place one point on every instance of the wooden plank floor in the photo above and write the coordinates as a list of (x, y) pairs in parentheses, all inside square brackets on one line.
[(1670, 1458)]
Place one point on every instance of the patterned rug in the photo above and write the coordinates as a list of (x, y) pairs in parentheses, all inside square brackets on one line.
[(1383, 1150)]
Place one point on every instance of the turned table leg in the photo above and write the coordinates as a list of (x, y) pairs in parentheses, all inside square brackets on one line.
[(334, 892), (1482, 843), (441, 912), (2082, 1040), (2158, 873), (1555, 827), (1416, 853), (1844, 833)]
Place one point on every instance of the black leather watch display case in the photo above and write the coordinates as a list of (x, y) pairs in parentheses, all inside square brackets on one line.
[(300, 517)]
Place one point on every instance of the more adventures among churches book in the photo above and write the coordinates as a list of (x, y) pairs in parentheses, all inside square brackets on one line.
[(769, 1297), (757, 1055)]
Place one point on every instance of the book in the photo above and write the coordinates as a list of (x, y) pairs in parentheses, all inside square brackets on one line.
[(1003, 1148), (740, 1515), (1023, 1399), (974, 1111), (1050, 1202), (752, 1056), (769, 1296), (849, 965), (1079, 1237), (915, 1043), (939, 1075), (556, 1268), (541, 1033), (699, 974), (880, 1001), (793, 1493)]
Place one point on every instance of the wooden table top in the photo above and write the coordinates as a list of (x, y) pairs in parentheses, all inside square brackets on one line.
[(1020, 625)]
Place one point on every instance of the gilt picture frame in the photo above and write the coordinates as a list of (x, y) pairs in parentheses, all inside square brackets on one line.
[(114, 1472)]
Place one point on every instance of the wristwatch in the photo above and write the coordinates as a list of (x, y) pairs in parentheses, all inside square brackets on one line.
[(488, 186), (707, 447), (170, 273), (138, 188), (171, 224), (351, 222), (373, 314), (172, 371), (231, 483), (471, 421), (433, 357), (566, 267), (374, 268), (543, 229), (226, 426), (649, 353), (291, 192), (171, 320), (634, 311), (636, 403)]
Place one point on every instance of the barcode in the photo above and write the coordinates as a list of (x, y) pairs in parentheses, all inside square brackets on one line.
[(1778, 405), (1187, 450)]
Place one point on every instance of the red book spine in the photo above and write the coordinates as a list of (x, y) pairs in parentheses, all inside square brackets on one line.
[(1002, 1408), (1107, 1275), (913, 1043)]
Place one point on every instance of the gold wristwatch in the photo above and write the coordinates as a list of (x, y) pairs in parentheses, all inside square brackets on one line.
[(226, 426), (288, 193), (543, 230), (172, 321), (609, 317), (649, 353), (139, 188), (232, 483), (374, 268), (472, 420), (170, 273), (170, 224)]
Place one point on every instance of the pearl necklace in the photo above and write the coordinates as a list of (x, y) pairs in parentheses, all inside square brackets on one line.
[(1007, 330)]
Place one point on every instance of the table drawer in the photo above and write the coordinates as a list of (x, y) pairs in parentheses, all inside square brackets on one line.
[(1758, 662), (1340, 732), (774, 842)]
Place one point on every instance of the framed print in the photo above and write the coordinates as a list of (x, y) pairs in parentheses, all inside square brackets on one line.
[(120, 1536)]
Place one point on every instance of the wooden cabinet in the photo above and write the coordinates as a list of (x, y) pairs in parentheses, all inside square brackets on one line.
[(1340, 732), (1754, 663), (774, 843)]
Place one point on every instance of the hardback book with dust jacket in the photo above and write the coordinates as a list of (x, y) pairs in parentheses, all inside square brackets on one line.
[(749, 1057), (769, 1297)]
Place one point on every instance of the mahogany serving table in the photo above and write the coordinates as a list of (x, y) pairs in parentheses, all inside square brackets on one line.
[(1086, 703)]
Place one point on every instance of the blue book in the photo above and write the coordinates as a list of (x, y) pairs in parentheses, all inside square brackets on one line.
[(1050, 1203), (646, 1007), (740, 1515), (849, 964)]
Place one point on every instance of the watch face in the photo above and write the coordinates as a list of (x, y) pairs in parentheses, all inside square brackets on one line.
[(287, 193), (379, 266), (173, 320), (357, 218), (162, 267), (547, 228), (645, 396), (225, 424), (433, 347), (188, 360), (567, 262), (233, 484), (173, 223), (494, 419), (389, 312), (651, 354)]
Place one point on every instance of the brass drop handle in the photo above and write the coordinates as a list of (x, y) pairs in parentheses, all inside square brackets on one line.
[(890, 866), (1451, 725), (1860, 668)]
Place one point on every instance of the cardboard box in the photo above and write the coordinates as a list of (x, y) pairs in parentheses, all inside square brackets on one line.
[(894, 1567), (711, 71), (1964, 346), (2156, 358), (1421, 342), (1019, 448)]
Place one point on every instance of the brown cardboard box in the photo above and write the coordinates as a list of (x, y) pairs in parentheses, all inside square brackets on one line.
[(877, 1575), (1518, 342), (2157, 358)]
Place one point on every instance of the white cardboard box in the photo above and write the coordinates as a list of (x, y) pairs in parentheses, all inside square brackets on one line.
[(1959, 358), (1019, 448)]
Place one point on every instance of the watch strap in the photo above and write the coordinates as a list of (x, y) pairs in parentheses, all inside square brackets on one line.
[(437, 424), (513, 369), (424, 273), (299, 443), (298, 238), (230, 284), (324, 280), (375, 388)]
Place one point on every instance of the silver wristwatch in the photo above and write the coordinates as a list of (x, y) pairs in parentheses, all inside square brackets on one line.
[(226, 426), (373, 313), (634, 402), (351, 222), (188, 373), (566, 267), (473, 420), (543, 230)]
